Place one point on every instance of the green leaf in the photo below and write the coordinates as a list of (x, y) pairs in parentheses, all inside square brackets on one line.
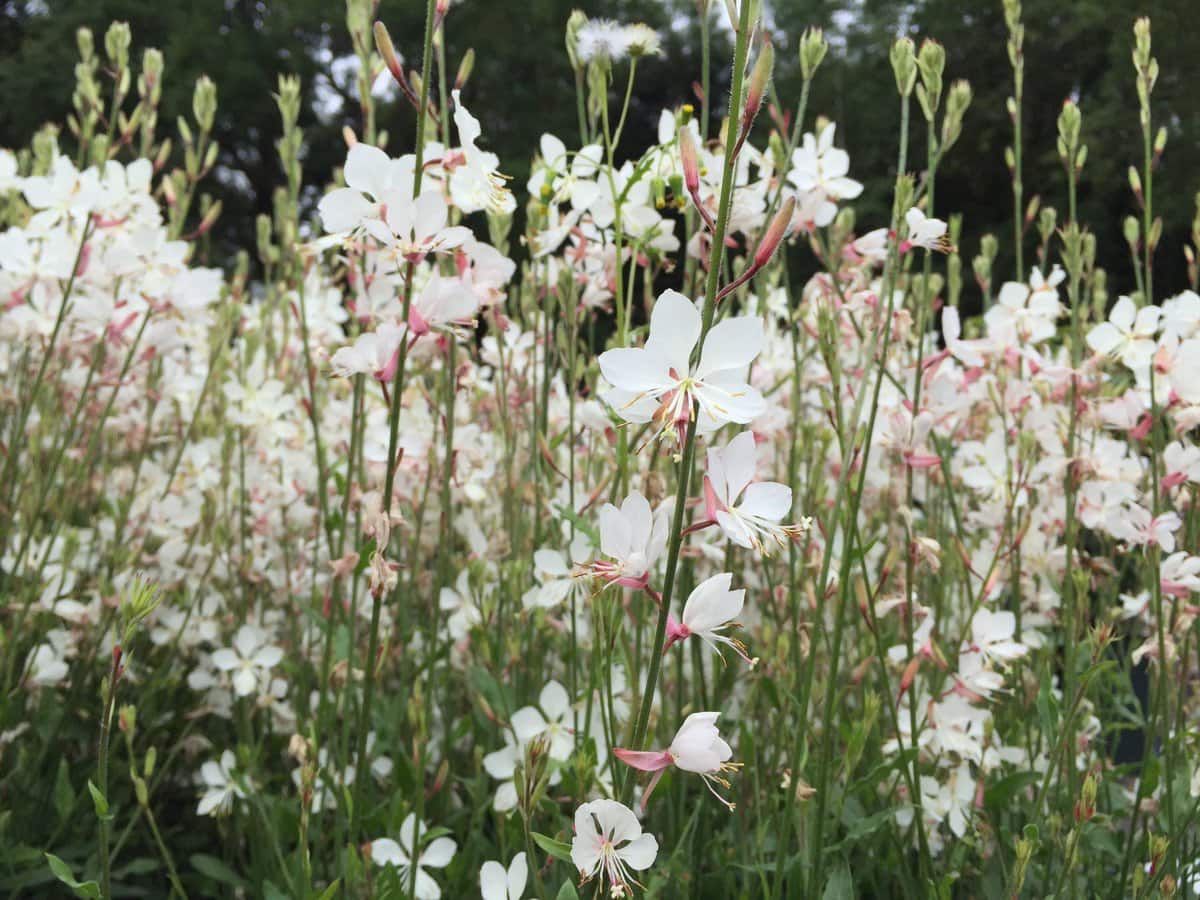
[(211, 867), (1000, 794), (330, 892), (64, 874), (840, 885), (99, 801), (64, 794), (557, 849), (567, 891)]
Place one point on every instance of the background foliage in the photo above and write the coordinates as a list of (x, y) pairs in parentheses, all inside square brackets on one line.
[(522, 86)]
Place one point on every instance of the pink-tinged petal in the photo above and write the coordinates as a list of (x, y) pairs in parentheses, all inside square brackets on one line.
[(636, 370), (643, 760), (674, 329), (768, 500), (731, 344)]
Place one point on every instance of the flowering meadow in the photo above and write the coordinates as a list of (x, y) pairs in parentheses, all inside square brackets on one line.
[(651, 528)]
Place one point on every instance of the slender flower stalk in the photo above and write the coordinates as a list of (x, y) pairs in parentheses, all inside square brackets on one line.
[(641, 723)]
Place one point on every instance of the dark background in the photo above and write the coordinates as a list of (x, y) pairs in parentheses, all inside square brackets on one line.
[(522, 85)]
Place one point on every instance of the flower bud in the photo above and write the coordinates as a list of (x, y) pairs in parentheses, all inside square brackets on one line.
[(1132, 231), (813, 48), (387, 50), (957, 102), (116, 44), (464, 69), (1135, 182), (204, 102), (85, 43), (775, 233), (1069, 121), (691, 163), (931, 61), (760, 77), (904, 65)]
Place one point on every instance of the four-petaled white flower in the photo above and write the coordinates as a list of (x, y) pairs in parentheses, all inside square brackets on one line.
[(551, 722), (387, 852), (220, 787), (250, 660), (633, 538), (1128, 335), (609, 841), (763, 503), (657, 383)]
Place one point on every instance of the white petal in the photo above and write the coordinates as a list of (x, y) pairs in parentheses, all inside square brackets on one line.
[(439, 853), (493, 881), (731, 344), (674, 330), (768, 500)]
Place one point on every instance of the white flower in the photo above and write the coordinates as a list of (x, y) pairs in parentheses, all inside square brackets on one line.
[(763, 503), (554, 726), (710, 609), (386, 852), (250, 659), (992, 635), (656, 382), (697, 747), (375, 353), (372, 178), (555, 579), (1135, 525), (819, 174), (609, 841), (1185, 371), (476, 184), (634, 538), (220, 788), (1128, 335), (497, 883), (924, 232)]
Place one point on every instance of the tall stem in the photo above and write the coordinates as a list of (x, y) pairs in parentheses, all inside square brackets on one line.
[(716, 256), (364, 713)]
